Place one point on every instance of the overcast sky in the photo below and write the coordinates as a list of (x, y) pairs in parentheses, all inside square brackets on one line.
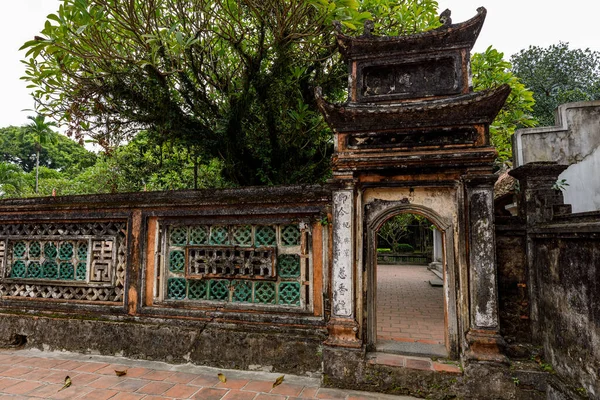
[(511, 25)]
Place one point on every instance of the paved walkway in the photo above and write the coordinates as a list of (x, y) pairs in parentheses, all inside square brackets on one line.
[(409, 309), (30, 374)]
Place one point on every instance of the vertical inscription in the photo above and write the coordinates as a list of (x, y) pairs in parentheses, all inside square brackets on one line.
[(342, 253), (2, 254)]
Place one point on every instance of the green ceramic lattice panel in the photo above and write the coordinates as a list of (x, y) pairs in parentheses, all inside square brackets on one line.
[(82, 251), (66, 271), (49, 270), (176, 288), (178, 236), (65, 251), (264, 292), (19, 249), (176, 261), (35, 249), (18, 270), (288, 265), (242, 235), (289, 293), (50, 250), (197, 289), (34, 270), (219, 289), (265, 236), (81, 272), (290, 235), (219, 235), (199, 235), (242, 291)]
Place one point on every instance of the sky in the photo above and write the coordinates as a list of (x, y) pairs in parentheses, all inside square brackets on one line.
[(511, 25)]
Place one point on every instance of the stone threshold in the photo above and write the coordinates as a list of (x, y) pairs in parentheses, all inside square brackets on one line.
[(411, 347), (410, 362)]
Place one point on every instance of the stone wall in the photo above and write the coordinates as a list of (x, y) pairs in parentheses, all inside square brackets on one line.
[(562, 271), (567, 269), (513, 281)]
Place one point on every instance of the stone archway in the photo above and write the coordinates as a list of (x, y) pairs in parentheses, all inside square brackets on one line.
[(376, 214)]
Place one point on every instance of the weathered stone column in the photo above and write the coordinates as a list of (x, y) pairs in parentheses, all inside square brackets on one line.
[(485, 342), (539, 200), (342, 325)]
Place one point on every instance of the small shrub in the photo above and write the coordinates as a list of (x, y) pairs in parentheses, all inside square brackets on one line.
[(403, 248), (384, 250)]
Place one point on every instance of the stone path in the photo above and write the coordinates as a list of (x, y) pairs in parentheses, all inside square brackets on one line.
[(409, 309), (31, 374)]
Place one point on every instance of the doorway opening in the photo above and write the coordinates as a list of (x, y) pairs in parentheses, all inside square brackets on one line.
[(409, 280)]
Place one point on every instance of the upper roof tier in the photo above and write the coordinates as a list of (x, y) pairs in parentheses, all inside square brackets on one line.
[(448, 36)]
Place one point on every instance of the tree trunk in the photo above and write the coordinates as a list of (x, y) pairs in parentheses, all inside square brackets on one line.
[(195, 172), (37, 169)]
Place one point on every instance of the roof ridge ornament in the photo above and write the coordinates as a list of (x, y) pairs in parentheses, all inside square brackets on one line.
[(445, 19), (368, 28)]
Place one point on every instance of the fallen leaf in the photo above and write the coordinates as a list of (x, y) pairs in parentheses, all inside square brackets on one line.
[(120, 373), (222, 378), (67, 383), (278, 381)]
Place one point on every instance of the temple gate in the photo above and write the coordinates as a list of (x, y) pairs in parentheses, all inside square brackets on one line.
[(414, 137)]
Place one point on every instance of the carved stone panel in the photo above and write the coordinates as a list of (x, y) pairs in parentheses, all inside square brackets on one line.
[(415, 137), (229, 262), (342, 275), (102, 261), (409, 79)]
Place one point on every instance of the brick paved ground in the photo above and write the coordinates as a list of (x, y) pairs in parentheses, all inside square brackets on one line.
[(40, 375), (408, 307)]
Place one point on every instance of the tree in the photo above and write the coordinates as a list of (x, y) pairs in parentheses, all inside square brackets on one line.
[(43, 134), (557, 75), (490, 70), (12, 180), (18, 146), (233, 80)]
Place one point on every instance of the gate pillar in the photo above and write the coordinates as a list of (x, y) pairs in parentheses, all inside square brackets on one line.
[(342, 326), (483, 336)]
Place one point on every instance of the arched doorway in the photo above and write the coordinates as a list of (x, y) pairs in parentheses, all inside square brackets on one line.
[(410, 309), (410, 299)]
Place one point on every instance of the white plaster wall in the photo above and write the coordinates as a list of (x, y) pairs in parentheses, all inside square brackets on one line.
[(583, 192), (574, 141), (440, 200)]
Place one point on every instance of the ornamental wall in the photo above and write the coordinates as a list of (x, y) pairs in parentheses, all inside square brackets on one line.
[(224, 274)]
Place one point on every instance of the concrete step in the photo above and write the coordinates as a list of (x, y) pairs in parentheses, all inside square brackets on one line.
[(438, 274), (436, 282)]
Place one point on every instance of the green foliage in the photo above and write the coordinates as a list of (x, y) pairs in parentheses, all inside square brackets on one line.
[(557, 75), (491, 70), (393, 17), (12, 180), (397, 228), (403, 248), (232, 79), (18, 146)]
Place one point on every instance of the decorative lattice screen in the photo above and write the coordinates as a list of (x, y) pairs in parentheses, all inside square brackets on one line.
[(80, 261), (256, 264)]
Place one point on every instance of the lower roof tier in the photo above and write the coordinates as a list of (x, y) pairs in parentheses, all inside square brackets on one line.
[(472, 108)]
